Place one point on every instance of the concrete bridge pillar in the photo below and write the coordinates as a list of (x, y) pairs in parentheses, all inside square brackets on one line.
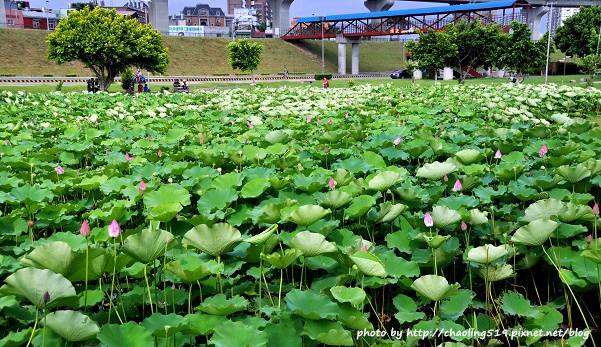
[(378, 5), (280, 10), (158, 13), (534, 20), (342, 42)]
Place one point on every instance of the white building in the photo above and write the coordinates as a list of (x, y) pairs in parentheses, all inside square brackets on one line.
[(559, 16)]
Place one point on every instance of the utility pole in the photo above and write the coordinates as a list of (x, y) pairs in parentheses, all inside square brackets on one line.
[(548, 43), (47, 22), (322, 47)]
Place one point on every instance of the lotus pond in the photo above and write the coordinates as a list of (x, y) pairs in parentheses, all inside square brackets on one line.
[(301, 217)]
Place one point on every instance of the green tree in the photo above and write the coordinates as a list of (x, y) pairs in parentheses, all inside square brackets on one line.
[(579, 34), (245, 55), (433, 51), (588, 65), (262, 27), (521, 53), (107, 43), (477, 45)]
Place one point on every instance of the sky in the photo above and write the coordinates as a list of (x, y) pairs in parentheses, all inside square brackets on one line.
[(299, 8)]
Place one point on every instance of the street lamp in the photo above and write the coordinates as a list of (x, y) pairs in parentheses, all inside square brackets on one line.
[(47, 22), (548, 43), (322, 50)]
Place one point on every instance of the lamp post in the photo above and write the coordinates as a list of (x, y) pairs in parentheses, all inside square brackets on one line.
[(548, 43), (322, 49), (47, 22)]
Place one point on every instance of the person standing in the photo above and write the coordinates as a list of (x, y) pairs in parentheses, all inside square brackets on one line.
[(326, 83)]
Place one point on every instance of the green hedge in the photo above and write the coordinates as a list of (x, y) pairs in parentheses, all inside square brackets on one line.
[(7, 75), (320, 76), (71, 75)]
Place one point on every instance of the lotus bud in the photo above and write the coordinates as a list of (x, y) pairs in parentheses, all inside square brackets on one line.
[(46, 297), (397, 141), (364, 248), (332, 183), (30, 223), (457, 187), (498, 154), (142, 187), (596, 210), (446, 178), (589, 238), (59, 170), (160, 153), (463, 226), (114, 229), (85, 229), (170, 180), (428, 221)]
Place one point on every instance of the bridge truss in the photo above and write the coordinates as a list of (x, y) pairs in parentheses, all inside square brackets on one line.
[(407, 21)]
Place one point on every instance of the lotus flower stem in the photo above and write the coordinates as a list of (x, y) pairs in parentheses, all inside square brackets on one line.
[(200, 290), (165, 279), (189, 297), (85, 295), (111, 304), (260, 274), (34, 327), (280, 293), (148, 287), (268, 292), (219, 275)]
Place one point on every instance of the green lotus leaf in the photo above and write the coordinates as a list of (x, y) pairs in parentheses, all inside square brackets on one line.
[(513, 303), (216, 200), (407, 309), (72, 325), (352, 318), (219, 305), (262, 237), (432, 241), (32, 283), (237, 334), (15, 339), (161, 325), (477, 217), (308, 304), (593, 255), (569, 277), (454, 307), (148, 245), (336, 198), (434, 287), (328, 333), (204, 324), (97, 261), (359, 206), (547, 320), (487, 254), (436, 170), (312, 244), (277, 136), (368, 264), (308, 214), (215, 240), (283, 261), (229, 180), (387, 213), (577, 212), (354, 295), (55, 256), (309, 184), (573, 174), (127, 334), (444, 216), (384, 180), (255, 187), (163, 204), (543, 209), (493, 273), (469, 156), (535, 233), (192, 269), (29, 195)]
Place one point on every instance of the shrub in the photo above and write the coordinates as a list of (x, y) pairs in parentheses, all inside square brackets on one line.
[(71, 75), (351, 83), (320, 76), (59, 86), (48, 75), (7, 75), (126, 78)]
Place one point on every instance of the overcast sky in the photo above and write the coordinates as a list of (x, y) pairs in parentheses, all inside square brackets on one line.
[(299, 8)]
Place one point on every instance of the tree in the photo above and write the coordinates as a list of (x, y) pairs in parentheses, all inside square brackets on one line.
[(433, 51), (245, 55), (520, 52), (588, 65), (262, 27), (579, 33), (477, 45), (107, 43)]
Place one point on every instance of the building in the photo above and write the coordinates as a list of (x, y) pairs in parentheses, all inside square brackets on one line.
[(13, 15), (262, 8), (39, 20), (559, 16), (204, 15)]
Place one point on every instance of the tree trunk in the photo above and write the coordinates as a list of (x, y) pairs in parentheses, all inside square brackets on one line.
[(252, 75), (435, 75)]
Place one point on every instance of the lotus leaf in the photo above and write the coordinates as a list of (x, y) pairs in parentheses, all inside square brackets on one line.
[(359, 206), (148, 245), (204, 324), (535, 233), (16, 338), (328, 333), (368, 264), (436, 170), (219, 305), (434, 287), (593, 255), (407, 309), (127, 334), (192, 269), (577, 212), (573, 174), (477, 217), (355, 295), (72, 325), (277, 136), (166, 202), (228, 181), (255, 187), (444, 216), (336, 199), (487, 254), (543, 209), (161, 325), (216, 200), (384, 180), (214, 240), (283, 261), (55, 256), (262, 237), (352, 318), (308, 214), (286, 333), (311, 305), (387, 213), (493, 273), (455, 306), (32, 283), (469, 156), (312, 244)]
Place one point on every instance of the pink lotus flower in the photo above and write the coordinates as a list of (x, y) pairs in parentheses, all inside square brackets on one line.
[(329, 121), (325, 149), (308, 119), (59, 170), (96, 123), (346, 116), (318, 120), (397, 141), (442, 127), (128, 157), (457, 187), (142, 187), (148, 137), (446, 178), (364, 248), (498, 154), (85, 229), (114, 229), (106, 151), (250, 125), (589, 238), (543, 150), (233, 122), (124, 128), (332, 183), (201, 140), (463, 226), (6, 141), (428, 221), (160, 153), (596, 210)]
